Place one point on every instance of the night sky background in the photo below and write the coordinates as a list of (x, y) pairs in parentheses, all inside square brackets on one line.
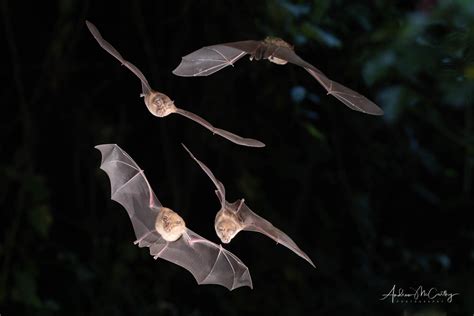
[(374, 201)]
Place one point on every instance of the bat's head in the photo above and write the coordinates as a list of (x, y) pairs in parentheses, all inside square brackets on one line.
[(226, 227), (169, 224), (159, 104)]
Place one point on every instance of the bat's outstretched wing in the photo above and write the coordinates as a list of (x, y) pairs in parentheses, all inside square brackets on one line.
[(146, 89), (223, 133), (208, 262), (220, 187), (255, 223), (352, 99), (130, 188), (210, 59)]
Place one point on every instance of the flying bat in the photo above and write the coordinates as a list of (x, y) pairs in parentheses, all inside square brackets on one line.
[(210, 59), (235, 217), (163, 230), (160, 104)]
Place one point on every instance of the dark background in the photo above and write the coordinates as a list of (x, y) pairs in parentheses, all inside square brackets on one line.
[(374, 201)]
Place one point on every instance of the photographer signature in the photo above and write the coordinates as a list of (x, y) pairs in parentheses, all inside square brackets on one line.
[(418, 294)]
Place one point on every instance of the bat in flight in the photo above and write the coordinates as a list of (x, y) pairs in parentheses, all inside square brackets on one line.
[(163, 230), (160, 104), (210, 59), (235, 217)]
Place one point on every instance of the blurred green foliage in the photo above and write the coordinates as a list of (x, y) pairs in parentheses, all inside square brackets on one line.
[(373, 201)]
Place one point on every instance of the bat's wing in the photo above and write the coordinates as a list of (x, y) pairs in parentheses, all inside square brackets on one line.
[(130, 188), (146, 89), (208, 262), (352, 99), (255, 223), (210, 59), (223, 133), (220, 187)]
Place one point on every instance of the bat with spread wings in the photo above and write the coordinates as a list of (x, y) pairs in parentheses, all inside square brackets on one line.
[(210, 59), (235, 217), (163, 231), (160, 104)]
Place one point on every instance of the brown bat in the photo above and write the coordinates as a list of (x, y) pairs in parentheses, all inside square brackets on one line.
[(210, 59), (235, 217), (163, 230), (160, 104)]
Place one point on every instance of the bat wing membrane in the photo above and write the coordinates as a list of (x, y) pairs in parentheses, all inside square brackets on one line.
[(130, 188), (112, 51), (210, 59), (350, 98), (208, 262), (256, 223), (236, 139), (220, 187)]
